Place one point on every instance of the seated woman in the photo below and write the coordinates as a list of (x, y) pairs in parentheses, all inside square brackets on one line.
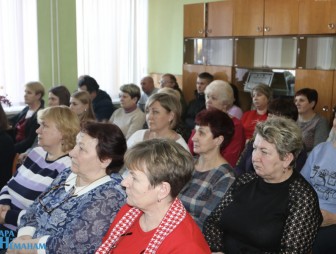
[(75, 212), (314, 127), (154, 220), (80, 103), (25, 123), (56, 137), (320, 172), (163, 112), (261, 96), (274, 209), (58, 95), (129, 118), (213, 175), (6, 149), (277, 107), (219, 94)]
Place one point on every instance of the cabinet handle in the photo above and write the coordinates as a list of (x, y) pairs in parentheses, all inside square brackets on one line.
[(331, 26), (200, 31), (259, 29), (325, 109), (209, 31), (267, 29)]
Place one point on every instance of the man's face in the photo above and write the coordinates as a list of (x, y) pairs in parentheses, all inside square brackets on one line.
[(147, 85), (201, 84)]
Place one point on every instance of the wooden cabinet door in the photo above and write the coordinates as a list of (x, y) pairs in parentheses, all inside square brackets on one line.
[(220, 15), (281, 17), (248, 17), (317, 16), (194, 20), (323, 82)]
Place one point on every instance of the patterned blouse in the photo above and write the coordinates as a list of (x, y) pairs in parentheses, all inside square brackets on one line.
[(287, 223), (204, 191), (73, 224)]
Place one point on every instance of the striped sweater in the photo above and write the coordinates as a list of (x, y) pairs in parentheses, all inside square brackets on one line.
[(31, 179)]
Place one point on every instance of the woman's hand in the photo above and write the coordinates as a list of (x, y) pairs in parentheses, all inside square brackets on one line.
[(328, 218), (3, 212), (24, 240)]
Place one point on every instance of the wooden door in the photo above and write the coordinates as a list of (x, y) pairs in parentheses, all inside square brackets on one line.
[(219, 20), (281, 17), (194, 20), (248, 17), (323, 82), (317, 16)]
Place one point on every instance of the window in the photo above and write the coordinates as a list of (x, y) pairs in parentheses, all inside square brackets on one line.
[(112, 41), (18, 47)]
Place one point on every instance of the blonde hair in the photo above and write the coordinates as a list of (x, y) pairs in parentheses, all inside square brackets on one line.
[(169, 103), (37, 87), (66, 121), (170, 91), (85, 98)]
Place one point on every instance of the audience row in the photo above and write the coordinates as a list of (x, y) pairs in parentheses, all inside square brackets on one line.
[(69, 194)]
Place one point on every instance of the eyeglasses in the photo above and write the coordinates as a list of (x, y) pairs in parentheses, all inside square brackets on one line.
[(49, 210), (163, 82)]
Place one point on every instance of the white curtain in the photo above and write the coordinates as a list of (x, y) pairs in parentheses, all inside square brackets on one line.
[(18, 47), (112, 41)]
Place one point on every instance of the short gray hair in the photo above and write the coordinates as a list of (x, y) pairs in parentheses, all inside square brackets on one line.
[(284, 133), (132, 89), (162, 160), (223, 89)]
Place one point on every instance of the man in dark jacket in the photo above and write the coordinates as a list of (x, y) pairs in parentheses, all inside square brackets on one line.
[(101, 101), (198, 104)]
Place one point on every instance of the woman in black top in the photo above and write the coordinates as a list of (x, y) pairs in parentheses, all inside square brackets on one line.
[(273, 209)]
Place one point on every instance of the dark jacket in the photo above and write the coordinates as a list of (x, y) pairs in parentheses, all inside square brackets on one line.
[(30, 129), (102, 106), (6, 157), (195, 106)]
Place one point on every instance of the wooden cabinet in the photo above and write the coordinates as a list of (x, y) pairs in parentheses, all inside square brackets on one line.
[(265, 17), (191, 71), (208, 19), (317, 17), (220, 16), (194, 20), (325, 83)]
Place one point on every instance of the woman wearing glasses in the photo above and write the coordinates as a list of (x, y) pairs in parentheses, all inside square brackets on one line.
[(56, 137), (75, 212)]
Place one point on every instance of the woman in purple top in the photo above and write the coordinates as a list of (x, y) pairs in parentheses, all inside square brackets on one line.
[(56, 137)]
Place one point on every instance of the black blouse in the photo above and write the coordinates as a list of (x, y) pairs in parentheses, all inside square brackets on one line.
[(259, 217)]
